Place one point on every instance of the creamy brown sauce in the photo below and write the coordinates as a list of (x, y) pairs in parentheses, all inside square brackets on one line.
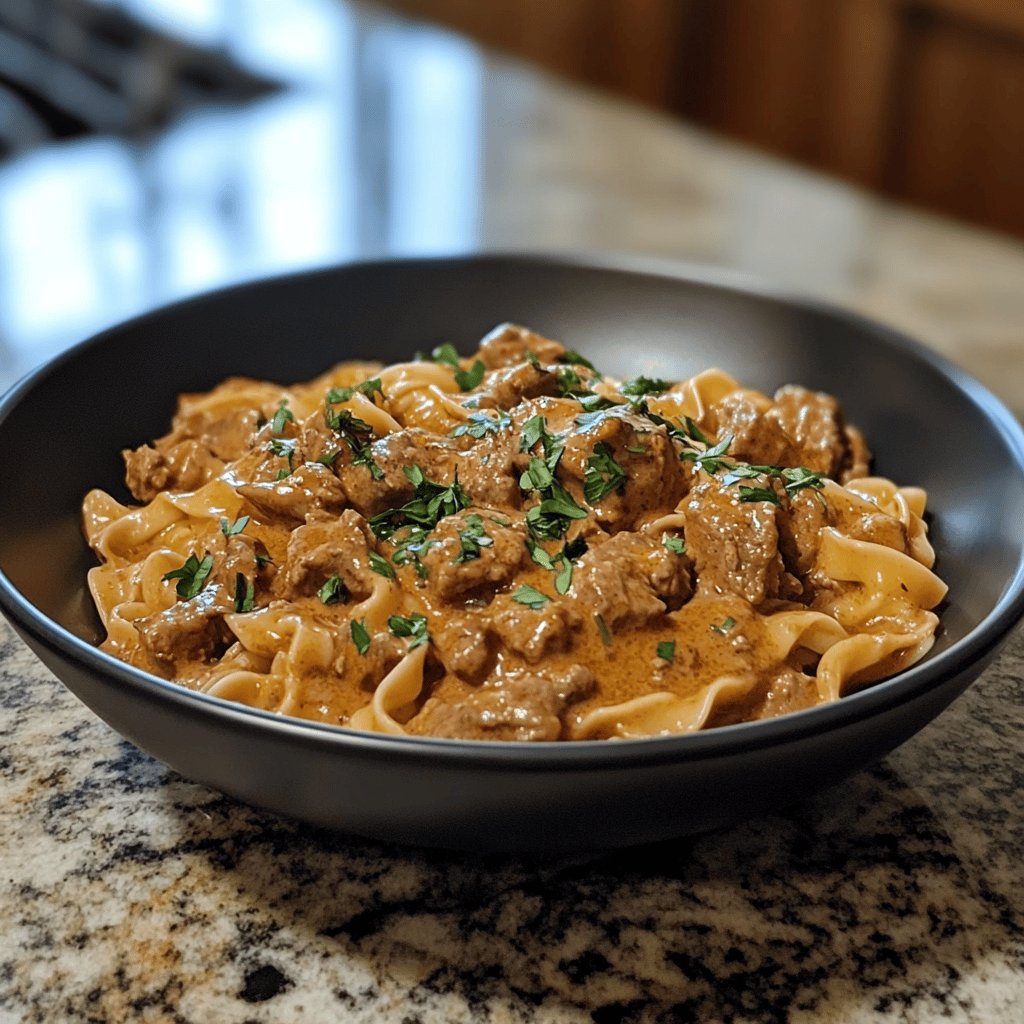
[(511, 546)]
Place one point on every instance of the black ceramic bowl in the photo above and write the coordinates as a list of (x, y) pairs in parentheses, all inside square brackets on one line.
[(62, 428)]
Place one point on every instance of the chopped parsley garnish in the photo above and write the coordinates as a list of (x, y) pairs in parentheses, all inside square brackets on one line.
[(282, 448), (360, 635), (471, 378), (536, 477), (644, 386), (381, 566), (447, 354), (245, 593), (573, 358), (667, 650), (281, 417), (712, 459), (539, 555), (759, 494), (337, 396), (328, 458), (333, 591), (636, 449), (536, 429), (472, 539), (726, 624), (431, 502), (230, 529), (603, 474), (191, 576), (480, 424), (550, 519), (414, 627), (594, 403), (570, 382), (531, 597), (262, 560), (563, 579), (353, 431), (675, 544), (606, 637)]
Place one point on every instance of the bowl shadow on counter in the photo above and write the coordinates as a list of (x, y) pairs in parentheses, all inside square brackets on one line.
[(859, 898)]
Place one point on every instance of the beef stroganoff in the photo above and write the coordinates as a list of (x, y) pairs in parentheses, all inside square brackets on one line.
[(513, 546)]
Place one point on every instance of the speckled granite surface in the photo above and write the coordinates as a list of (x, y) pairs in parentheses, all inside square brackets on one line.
[(128, 893)]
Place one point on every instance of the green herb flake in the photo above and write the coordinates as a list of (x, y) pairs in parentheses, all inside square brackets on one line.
[(360, 635), (414, 627), (446, 354), (480, 424), (759, 494), (191, 576), (471, 378), (230, 529), (281, 417), (636, 449), (667, 650), (563, 579), (531, 597), (262, 560), (333, 591), (472, 539), (573, 358), (371, 387), (245, 593), (644, 386), (723, 628), (602, 628), (674, 544), (328, 458), (381, 566), (603, 474)]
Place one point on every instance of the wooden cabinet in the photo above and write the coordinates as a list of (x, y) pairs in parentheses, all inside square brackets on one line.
[(918, 99)]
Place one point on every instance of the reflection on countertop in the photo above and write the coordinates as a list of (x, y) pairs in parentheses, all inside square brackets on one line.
[(130, 893), (391, 138)]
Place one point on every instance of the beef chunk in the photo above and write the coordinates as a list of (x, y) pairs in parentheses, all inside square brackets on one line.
[(734, 544), (470, 550), (184, 466), (192, 630), (409, 447), (490, 469), (742, 415), (520, 706), (312, 487), (529, 632), (509, 344), (630, 579), (813, 423), (463, 646), (654, 478), (327, 546)]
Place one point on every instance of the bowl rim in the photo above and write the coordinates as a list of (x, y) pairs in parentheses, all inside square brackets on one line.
[(980, 641)]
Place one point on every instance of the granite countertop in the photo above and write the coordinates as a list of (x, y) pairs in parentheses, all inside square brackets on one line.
[(130, 893)]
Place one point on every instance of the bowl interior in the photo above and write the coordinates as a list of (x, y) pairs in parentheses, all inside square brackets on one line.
[(62, 430)]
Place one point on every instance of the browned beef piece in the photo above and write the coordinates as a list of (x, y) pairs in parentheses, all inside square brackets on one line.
[(460, 561), (327, 546), (463, 646), (857, 463), (802, 518), (184, 466), (383, 654), (310, 488), (409, 447), (227, 435), (734, 544), (510, 385), (755, 438), (490, 470), (192, 630), (655, 479), (520, 706), (532, 633), (508, 344), (630, 579), (814, 424)]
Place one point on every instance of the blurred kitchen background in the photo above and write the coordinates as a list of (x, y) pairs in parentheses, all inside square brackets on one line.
[(869, 152)]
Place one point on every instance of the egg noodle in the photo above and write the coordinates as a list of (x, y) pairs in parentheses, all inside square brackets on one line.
[(513, 546)]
